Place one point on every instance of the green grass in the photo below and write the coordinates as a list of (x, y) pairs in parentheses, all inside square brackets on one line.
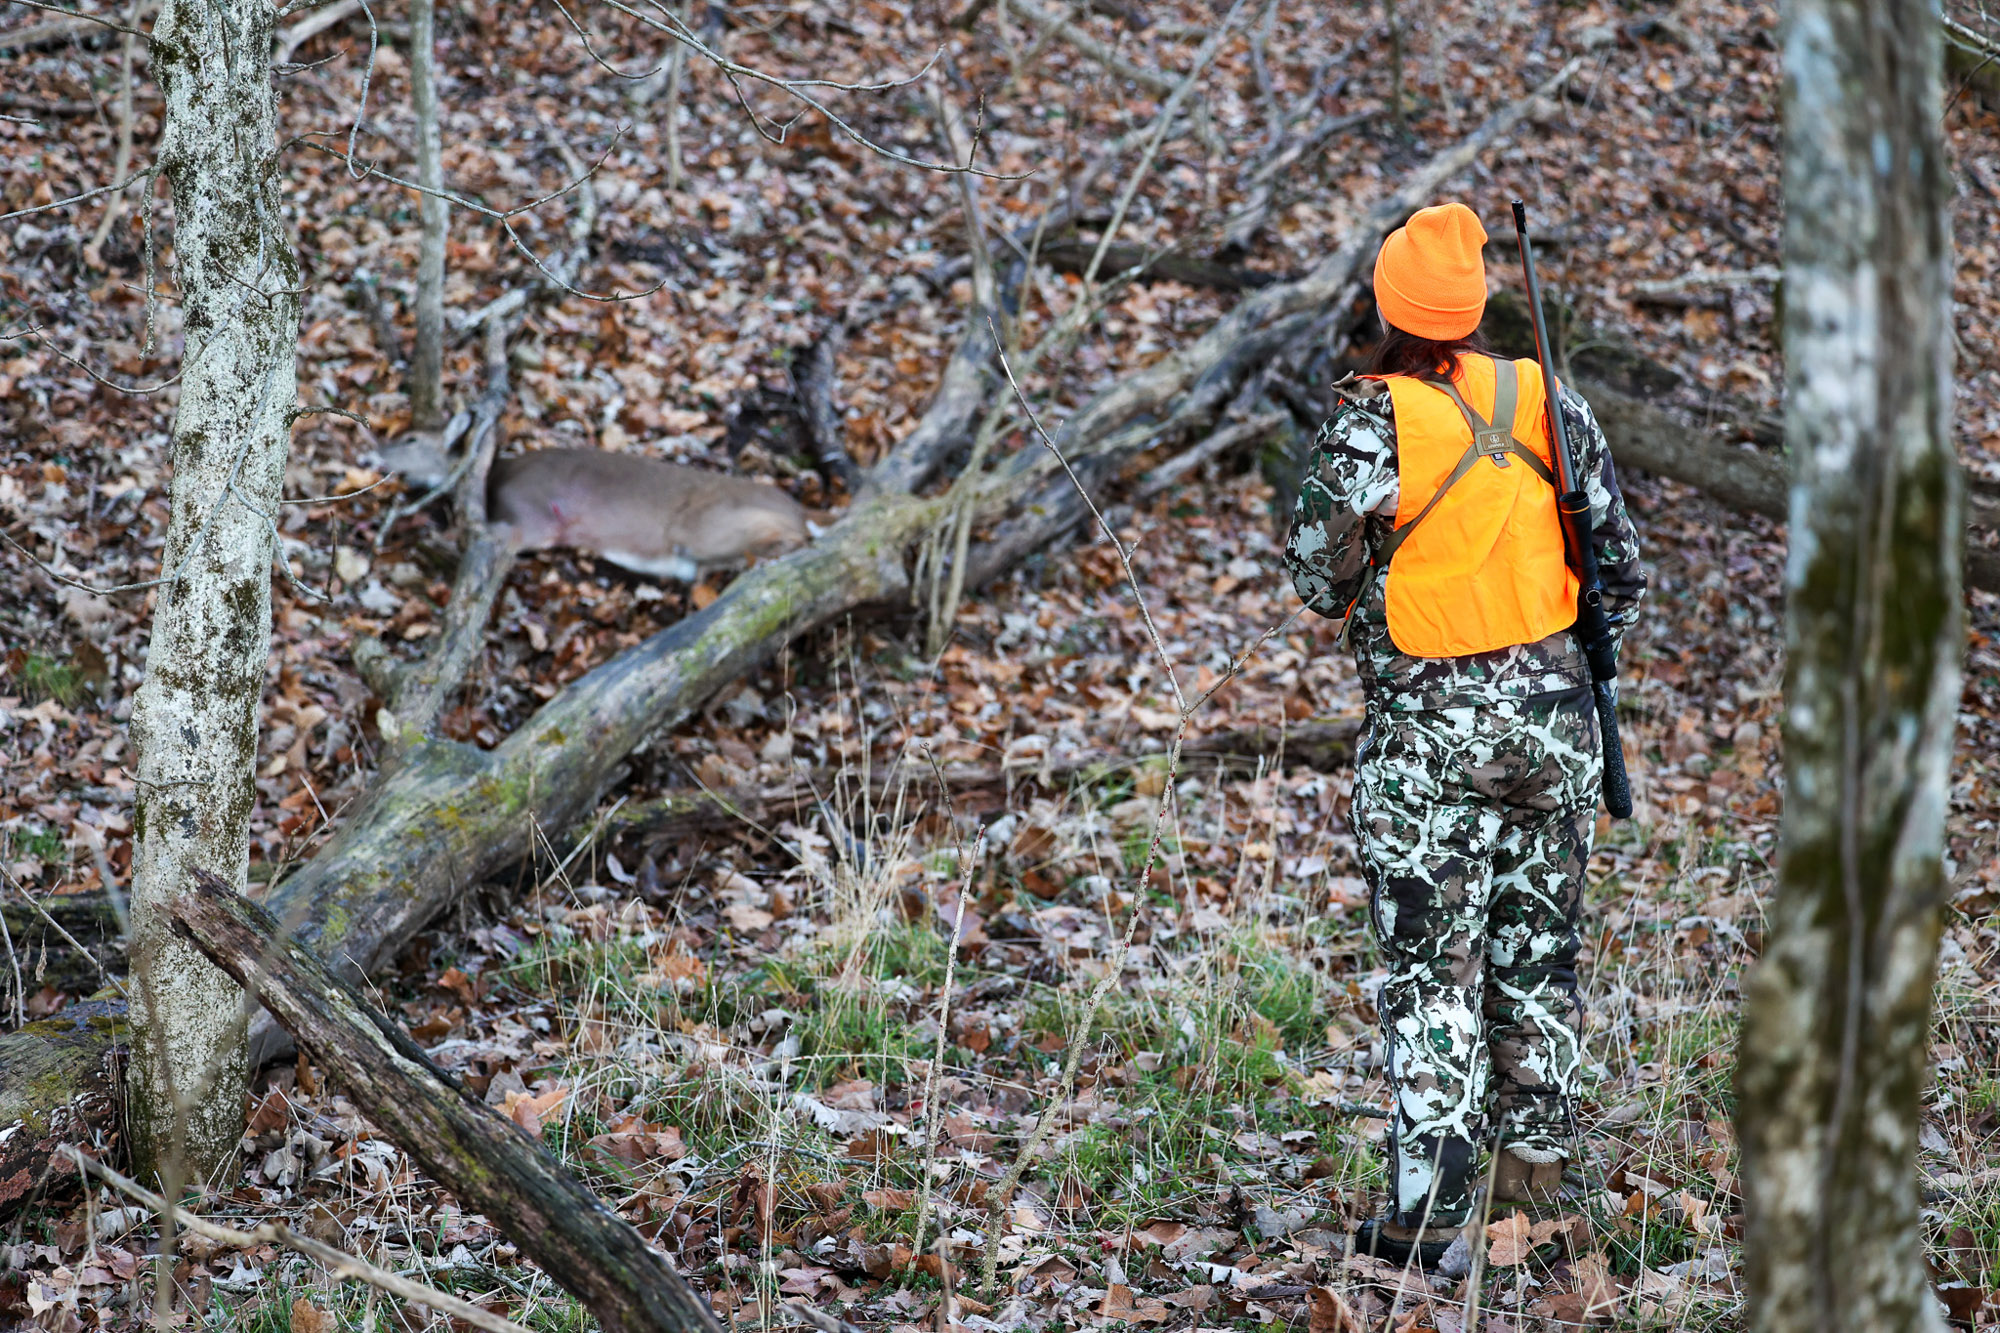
[(42, 678), (43, 844)]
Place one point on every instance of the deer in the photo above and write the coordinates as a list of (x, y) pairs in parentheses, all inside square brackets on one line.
[(658, 519)]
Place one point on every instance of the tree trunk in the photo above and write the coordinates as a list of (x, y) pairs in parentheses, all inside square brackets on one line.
[(1836, 1034), (427, 359), (194, 722)]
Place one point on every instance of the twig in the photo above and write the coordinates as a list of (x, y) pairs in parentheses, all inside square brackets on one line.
[(1090, 47), (122, 161), (798, 89), (932, 1111), (20, 986), (338, 1262), (70, 21), (57, 926), (1209, 50)]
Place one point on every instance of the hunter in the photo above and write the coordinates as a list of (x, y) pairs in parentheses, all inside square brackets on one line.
[(1477, 781)]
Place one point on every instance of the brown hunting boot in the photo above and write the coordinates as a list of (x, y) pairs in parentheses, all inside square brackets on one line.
[(1527, 1175)]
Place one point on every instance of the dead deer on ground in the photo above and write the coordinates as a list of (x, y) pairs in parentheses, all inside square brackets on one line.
[(663, 520)]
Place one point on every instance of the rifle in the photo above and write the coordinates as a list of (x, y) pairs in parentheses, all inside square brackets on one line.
[(1593, 627)]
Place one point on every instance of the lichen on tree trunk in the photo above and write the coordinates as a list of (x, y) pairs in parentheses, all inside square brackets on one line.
[(427, 359), (1835, 1045), (194, 722)]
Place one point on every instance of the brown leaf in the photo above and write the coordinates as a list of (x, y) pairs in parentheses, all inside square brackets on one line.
[(274, 1112), (1332, 1314), (1964, 1303), (1509, 1241), (309, 1318), (1121, 1303), (1591, 1275), (527, 1110), (636, 1141), (882, 1260), (889, 1200), (458, 984)]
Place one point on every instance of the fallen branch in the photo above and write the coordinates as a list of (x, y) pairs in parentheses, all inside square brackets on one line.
[(466, 1146), (1644, 436), (336, 1261), (815, 385), (1075, 257), (1090, 47), (1324, 746), (1230, 437), (292, 38)]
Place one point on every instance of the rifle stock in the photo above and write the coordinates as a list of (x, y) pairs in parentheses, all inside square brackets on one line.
[(1593, 627)]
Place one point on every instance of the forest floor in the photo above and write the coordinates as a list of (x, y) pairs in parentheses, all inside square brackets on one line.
[(762, 1043)]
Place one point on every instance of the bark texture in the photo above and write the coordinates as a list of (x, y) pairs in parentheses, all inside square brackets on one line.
[(462, 1143), (427, 359), (1835, 1045), (194, 722)]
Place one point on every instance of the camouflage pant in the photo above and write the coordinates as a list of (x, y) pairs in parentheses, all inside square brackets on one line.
[(1474, 826)]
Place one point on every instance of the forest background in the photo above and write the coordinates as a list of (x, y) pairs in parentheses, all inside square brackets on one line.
[(733, 1026)]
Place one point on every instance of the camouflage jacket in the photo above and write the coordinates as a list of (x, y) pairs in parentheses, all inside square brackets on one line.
[(1347, 505)]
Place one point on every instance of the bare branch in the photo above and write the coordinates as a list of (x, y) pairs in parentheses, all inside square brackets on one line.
[(76, 16), (308, 28), (797, 88), (76, 198)]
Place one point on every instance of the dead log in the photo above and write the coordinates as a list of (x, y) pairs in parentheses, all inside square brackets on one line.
[(1614, 380), (463, 1144), (449, 815), (69, 942), (815, 384), (61, 1080), (1076, 256), (1324, 746)]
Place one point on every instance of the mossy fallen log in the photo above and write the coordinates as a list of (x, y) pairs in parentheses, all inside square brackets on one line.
[(59, 1083)]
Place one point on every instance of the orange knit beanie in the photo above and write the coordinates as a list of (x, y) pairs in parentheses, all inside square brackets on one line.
[(1430, 279)]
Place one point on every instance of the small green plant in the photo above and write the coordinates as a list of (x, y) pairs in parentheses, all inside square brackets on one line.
[(42, 678), (43, 844)]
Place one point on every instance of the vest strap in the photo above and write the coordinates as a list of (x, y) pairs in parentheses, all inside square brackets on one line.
[(1394, 541), (1488, 441), (1495, 439)]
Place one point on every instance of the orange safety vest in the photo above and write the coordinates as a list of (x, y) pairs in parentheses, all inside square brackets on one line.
[(1476, 561)]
